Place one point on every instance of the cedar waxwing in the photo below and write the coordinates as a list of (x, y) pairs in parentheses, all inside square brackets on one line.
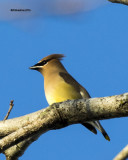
[(60, 86)]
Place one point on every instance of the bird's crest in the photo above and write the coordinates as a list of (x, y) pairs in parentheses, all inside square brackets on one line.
[(52, 56)]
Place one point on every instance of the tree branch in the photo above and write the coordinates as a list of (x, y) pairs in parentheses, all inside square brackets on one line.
[(119, 1), (14, 152), (123, 154), (10, 108), (59, 115)]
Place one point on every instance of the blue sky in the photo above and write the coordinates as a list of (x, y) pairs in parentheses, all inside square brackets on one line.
[(95, 45)]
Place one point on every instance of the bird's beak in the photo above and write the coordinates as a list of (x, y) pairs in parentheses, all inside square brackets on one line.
[(35, 67), (32, 67)]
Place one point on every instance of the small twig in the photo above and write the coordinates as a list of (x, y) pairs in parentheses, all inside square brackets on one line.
[(10, 108), (123, 155)]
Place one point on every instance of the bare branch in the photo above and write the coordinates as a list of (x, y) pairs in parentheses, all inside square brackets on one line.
[(119, 1), (45, 122), (11, 125), (10, 108), (123, 154), (59, 115), (14, 152)]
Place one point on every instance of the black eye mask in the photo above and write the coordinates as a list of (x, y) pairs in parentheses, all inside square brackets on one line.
[(42, 63)]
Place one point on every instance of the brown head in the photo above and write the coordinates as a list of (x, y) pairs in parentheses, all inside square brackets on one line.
[(49, 64)]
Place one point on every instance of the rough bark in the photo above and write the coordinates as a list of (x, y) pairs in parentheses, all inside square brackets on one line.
[(19, 133), (14, 152)]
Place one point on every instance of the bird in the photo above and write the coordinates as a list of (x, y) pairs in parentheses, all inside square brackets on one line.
[(60, 86)]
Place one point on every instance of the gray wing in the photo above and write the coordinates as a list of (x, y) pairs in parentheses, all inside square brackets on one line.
[(70, 80)]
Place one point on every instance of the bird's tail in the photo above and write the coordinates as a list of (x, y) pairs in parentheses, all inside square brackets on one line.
[(101, 129), (96, 124)]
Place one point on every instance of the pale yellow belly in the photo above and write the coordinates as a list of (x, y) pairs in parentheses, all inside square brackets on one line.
[(61, 92)]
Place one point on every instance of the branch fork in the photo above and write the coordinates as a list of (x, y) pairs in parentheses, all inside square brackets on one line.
[(18, 133)]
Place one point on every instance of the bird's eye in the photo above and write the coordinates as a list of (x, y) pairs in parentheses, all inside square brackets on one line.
[(44, 62)]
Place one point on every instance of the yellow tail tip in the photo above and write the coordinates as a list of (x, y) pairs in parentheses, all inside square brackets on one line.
[(107, 138)]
